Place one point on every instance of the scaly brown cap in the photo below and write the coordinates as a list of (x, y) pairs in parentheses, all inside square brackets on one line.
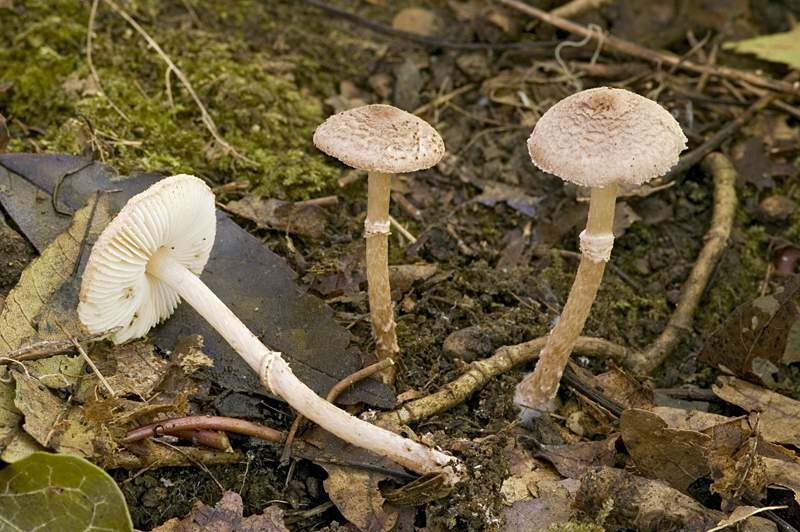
[(380, 138), (601, 136)]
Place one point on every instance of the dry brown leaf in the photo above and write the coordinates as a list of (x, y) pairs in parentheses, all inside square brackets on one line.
[(740, 514), (226, 516), (678, 457), (356, 493), (44, 419), (736, 466), (641, 504), (525, 472), (403, 276), (758, 336), (678, 418), (269, 213), (624, 389), (10, 416), (574, 460), (139, 369), (44, 276), (779, 415), (552, 505)]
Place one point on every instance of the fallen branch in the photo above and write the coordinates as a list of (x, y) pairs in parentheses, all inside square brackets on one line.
[(657, 56), (481, 371)]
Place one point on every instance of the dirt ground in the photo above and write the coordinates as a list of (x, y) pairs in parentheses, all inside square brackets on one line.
[(502, 234)]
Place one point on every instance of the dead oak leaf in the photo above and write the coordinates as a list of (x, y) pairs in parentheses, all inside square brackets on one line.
[(677, 457)]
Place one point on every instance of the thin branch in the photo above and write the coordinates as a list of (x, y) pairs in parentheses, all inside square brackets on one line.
[(658, 56)]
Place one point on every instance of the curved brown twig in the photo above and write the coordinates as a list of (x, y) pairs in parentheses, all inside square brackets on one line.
[(716, 240), (180, 424)]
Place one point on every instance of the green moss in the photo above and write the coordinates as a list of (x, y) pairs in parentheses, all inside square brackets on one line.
[(250, 90)]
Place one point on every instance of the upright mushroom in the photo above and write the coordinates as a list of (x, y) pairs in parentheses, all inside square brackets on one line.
[(150, 256), (596, 138), (383, 140)]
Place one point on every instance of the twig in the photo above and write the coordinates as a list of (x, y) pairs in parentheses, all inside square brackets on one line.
[(207, 120), (85, 357), (481, 371), (171, 426), (333, 393), (95, 76), (696, 155), (419, 38), (402, 230), (50, 347), (658, 56), (716, 239), (579, 7)]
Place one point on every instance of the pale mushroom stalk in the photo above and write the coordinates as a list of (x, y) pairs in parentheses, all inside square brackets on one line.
[(542, 384), (383, 140), (279, 378), (596, 138), (376, 232), (138, 270)]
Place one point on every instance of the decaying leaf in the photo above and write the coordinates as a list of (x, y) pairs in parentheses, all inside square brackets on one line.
[(552, 505), (44, 276), (779, 415), (573, 461), (226, 516), (269, 213), (677, 457), (758, 336), (402, 277), (10, 416), (624, 389), (740, 514), (641, 504), (735, 461), (50, 421), (355, 491)]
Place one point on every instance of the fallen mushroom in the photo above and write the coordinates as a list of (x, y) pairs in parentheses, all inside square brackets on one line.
[(150, 256), (383, 140), (596, 138)]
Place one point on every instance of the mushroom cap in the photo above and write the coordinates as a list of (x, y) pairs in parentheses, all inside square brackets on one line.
[(602, 136), (380, 138), (175, 216)]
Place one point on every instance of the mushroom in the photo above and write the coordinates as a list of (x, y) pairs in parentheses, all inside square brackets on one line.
[(150, 256), (596, 138), (383, 140)]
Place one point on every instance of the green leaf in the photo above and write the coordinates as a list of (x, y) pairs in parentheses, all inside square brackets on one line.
[(60, 493), (778, 47)]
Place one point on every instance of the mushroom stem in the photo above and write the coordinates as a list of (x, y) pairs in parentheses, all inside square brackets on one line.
[(376, 231), (279, 378), (541, 386)]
